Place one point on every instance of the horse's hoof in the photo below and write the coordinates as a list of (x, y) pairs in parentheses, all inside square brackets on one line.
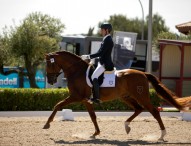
[(127, 129), (163, 133), (93, 137), (46, 126), (160, 140)]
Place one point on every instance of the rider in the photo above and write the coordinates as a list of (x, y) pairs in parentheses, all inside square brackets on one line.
[(105, 61)]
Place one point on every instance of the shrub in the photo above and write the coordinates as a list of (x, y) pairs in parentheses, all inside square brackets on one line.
[(45, 99)]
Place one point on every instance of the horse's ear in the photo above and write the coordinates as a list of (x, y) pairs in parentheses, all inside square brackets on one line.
[(50, 54), (46, 56)]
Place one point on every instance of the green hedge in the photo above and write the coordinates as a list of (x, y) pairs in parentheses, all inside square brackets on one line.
[(45, 99)]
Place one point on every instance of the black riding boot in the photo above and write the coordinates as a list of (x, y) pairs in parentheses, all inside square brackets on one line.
[(96, 97)]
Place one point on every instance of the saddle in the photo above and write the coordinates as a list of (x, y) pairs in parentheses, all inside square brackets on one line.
[(107, 79)]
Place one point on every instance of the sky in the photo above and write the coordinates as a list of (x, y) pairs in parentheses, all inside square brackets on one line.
[(79, 15)]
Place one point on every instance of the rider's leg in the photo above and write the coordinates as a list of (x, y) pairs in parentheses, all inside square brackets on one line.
[(99, 70), (95, 91)]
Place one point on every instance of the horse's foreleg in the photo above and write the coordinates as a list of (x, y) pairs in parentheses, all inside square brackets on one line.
[(93, 118), (57, 107)]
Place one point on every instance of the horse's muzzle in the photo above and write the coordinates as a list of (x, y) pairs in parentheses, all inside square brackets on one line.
[(52, 79), (51, 82)]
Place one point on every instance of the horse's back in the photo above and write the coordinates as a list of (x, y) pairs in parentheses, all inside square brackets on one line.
[(128, 72), (128, 83), (133, 84), (131, 79)]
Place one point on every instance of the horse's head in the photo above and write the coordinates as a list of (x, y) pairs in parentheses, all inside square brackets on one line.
[(69, 63), (52, 68)]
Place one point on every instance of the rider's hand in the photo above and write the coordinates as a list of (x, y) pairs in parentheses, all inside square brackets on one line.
[(92, 62), (84, 57)]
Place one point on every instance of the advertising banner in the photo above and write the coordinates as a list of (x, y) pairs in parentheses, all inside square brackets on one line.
[(9, 81), (40, 80), (124, 49), (12, 80)]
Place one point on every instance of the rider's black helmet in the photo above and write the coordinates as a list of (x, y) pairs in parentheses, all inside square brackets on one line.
[(106, 26)]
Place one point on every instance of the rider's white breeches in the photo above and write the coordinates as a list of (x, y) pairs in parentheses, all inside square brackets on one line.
[(98, 71)]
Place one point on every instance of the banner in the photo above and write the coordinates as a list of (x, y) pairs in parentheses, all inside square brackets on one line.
[(9, 81), (12, 80), (124, 49)]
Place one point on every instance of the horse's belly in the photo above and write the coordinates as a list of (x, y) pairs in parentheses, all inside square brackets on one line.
[(107, 94)]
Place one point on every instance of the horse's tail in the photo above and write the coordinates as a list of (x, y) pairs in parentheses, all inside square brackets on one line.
[(164, 92), (185, 101)]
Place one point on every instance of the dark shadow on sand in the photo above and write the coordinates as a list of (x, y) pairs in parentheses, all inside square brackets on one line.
[(117, 142)]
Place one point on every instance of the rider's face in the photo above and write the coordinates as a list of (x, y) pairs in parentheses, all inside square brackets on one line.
[(103, 32)]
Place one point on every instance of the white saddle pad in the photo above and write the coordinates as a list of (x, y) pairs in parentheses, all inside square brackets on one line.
[(108, 81)]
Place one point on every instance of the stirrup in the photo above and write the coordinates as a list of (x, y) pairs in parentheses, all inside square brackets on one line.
[(90, 101), (97, 101)]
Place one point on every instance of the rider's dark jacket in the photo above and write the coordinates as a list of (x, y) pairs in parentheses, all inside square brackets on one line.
[(104, 53)]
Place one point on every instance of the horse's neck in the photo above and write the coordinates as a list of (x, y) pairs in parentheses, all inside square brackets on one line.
[(76, 72), (72, 67)]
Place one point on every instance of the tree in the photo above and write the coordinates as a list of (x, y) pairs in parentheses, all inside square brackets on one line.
[(90, 31), (170, 36), (37, 35), (3, 51), (166, 35), (122, 23), (5, 54), (7, 59), (158, 25)]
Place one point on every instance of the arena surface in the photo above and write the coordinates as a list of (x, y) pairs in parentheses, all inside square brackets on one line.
[(27, 131)]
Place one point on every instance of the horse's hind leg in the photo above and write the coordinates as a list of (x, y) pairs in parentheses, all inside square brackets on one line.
[(147, 105), (138, 109), (57, 107)]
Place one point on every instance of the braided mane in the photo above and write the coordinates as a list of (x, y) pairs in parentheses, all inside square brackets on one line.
[(69, 54)]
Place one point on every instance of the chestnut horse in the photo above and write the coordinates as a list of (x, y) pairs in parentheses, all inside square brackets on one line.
[(132, 87)]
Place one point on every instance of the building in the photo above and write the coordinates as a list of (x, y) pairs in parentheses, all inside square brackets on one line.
[(175, 66), (184, 28)]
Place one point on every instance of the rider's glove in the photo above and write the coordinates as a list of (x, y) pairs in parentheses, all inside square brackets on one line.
[(92, 62), (84, 57)]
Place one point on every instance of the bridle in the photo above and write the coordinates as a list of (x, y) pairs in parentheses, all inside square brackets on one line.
[(55, 66)]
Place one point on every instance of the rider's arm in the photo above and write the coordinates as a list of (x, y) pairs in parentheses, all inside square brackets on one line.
[(107, 44)]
